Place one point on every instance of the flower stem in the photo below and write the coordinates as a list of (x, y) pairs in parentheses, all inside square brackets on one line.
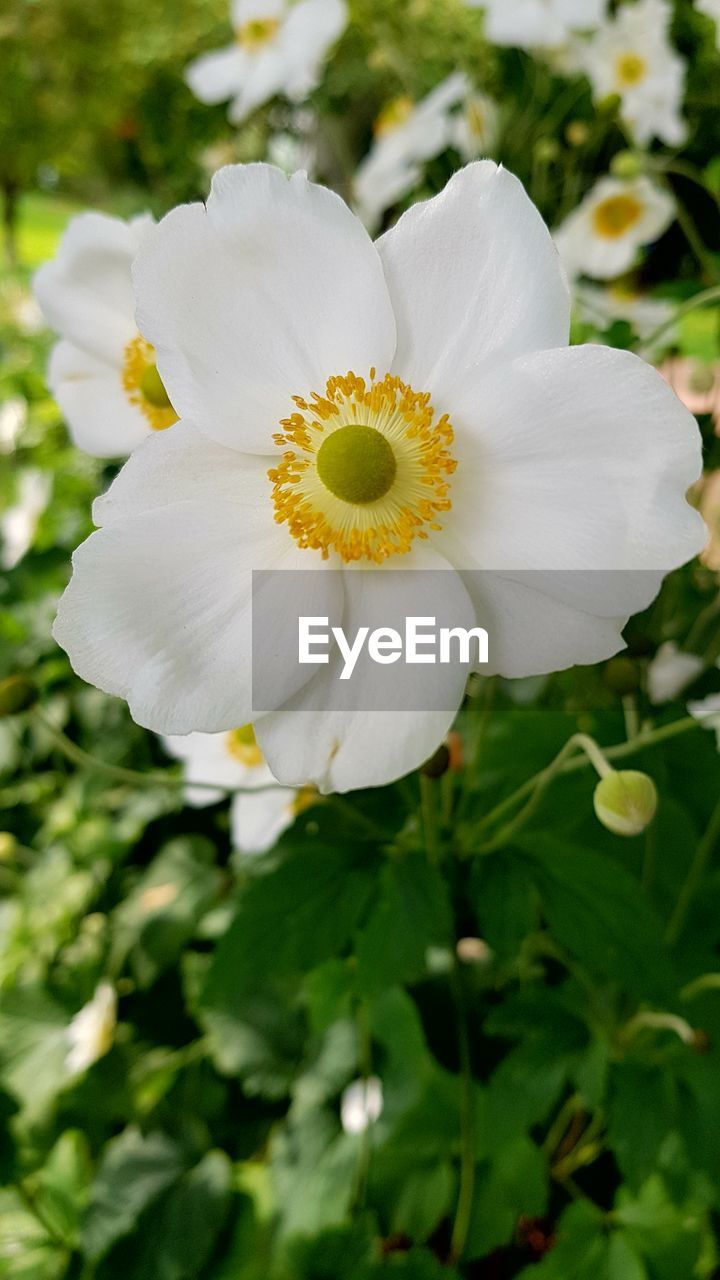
[(427, 803), (695, 875), (702, 299), (463, 1212)]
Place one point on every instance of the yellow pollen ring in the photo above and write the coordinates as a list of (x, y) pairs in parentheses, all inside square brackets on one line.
[(144, 387), (364, 468), (256, 33), (242, 746), (616, 215), (630, 69)]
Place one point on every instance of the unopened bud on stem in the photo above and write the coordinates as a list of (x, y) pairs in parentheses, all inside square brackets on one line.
[(625, 802)]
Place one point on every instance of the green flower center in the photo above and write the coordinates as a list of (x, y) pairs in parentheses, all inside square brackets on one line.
[(152, 388), (356, 464)]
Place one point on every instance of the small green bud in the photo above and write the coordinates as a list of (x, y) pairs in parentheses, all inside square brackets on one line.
[(625, 802), (546, 150), (8, 845), (621, 675), (17, 693), (438, 764), (626, 164), (577, 133)]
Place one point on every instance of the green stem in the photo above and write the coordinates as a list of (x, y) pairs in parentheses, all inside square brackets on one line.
[(463, 1212), (427, 804), (694, 879), (702, 299)]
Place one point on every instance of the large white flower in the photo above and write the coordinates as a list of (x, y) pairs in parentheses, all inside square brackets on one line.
[(103, 373), (234, 760), (538, 24), (92, 1031), (279, 47), (631, 56), (603, 236), (407, 134), (711, 9), (410, 404)]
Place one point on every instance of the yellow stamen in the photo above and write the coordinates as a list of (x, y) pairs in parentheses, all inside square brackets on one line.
[(355, 499), (393, 115), (144, 386), (630, 69), (241, 744), (256, 33), (616, 215), (304, 799)]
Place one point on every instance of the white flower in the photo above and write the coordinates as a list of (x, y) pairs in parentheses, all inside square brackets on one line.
[(707, 711), (361, 1105), (711, 9), (92, 1030), (468, 437), (603, 236), (670, 672), (631, 56), (538, 24), (475, 129), (407, 134), (103, 373), (279, 47), (620, 301), (13, 416), (231, 760), (19, 522)]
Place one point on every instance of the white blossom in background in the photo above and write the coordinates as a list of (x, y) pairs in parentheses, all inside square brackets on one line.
[(711, 9), (602, 305), (19, 522), (407, 135), (361, 1105), (411, 404), (670, 672), (233, 759), (476, 126), (603, 237), (631, 56), (295, 147), (92, 1030), (279, 48), (102, 373), (538, 24), (13, 416), (707, 711)]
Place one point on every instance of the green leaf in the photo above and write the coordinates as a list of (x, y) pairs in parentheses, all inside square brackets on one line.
[(425, 1197), (63, 1186), (597, 911), (314, 1168), (413, 913), (133, 1173), (642, 1110), (33, 1046), (668, 1236), (513, 1185), (506, 901), (26, 1250)]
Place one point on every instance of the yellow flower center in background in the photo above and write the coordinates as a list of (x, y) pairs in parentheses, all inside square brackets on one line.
[(242, 746), (257, 33), (144, 387), (630, 69), (304, 799), (367, 471), (476, 119), (616, 215), (393, 115)]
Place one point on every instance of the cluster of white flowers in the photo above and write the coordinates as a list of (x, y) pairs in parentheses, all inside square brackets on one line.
[(271, 323)]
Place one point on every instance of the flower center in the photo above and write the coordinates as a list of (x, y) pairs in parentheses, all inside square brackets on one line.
[(256, 33), (393, 115), (242, 746), (616, 215), (356, 463), (304, 799), (630, 69), (367, 470), (144, 387)]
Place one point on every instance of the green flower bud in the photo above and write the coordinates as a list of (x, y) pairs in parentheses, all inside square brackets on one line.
[(8, 845), (546, 150), (626, 164), (438, 764), (17, 693), (577, 133), (621, 675), (625, 802)]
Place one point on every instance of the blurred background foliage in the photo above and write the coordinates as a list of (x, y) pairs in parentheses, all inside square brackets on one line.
[(545, 1026)]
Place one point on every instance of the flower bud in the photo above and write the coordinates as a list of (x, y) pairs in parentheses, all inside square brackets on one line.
[(626, 164), (8, 845), (625, 802), (577, 133), (17, 693), (438, 763), (622, 676)]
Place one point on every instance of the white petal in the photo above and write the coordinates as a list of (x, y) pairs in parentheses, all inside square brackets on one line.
[(670, 672), (208, 759), (474, 278), (257, 821), (263, 295), (312, 26), (575, 459), (86, 292), (159, 606), (218, 76), (326, 736), (264, 77), (101, 419)]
